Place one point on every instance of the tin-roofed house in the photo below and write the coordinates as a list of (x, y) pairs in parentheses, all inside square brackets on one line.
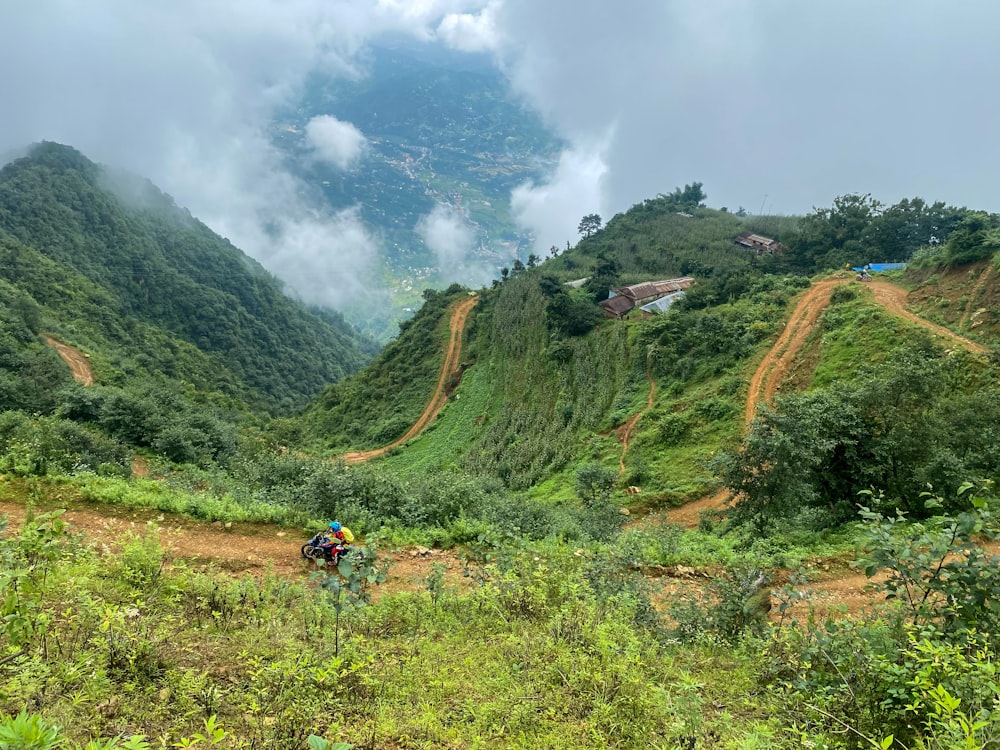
[(759, 244), (645, 295)]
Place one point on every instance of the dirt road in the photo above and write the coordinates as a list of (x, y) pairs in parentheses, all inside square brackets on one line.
[(240, 549), (893, 299), (776, 363), (256, 549), (780, 357), (437, 400)]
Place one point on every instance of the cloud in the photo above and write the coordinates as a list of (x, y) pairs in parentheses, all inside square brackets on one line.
[(335, 142), (326, 259), (777, 105), (772, 103), (450, 236), (552, 210), (471, 32), (185, 93)]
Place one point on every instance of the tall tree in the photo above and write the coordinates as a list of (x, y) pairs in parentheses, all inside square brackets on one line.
[(589, 224)]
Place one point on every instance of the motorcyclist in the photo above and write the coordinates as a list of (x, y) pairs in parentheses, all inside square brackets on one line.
[(337, 539), (340, 532)]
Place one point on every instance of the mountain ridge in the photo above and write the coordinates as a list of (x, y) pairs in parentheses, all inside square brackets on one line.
[(160, 266)]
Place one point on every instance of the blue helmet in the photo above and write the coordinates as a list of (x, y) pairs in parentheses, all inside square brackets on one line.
[(335, 525)]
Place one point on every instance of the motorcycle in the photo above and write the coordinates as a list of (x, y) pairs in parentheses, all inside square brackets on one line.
[(320, 547)]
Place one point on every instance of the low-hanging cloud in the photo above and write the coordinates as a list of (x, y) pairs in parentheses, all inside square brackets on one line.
[(448, 234), (326, 259), (775, 105), (552, 210), (471, 32), (335, 142), (185, 93)]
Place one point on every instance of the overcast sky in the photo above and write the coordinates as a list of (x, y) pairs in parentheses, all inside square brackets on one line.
[(775, 105)]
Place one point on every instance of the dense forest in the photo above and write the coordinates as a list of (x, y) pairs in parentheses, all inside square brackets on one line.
[(550, 592), (165, 282)]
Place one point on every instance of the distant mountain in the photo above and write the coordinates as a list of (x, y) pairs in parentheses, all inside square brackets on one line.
[(79, 239)]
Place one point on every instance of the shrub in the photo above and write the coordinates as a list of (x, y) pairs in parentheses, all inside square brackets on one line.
[(938, 569), (735, 604), (142, 561)]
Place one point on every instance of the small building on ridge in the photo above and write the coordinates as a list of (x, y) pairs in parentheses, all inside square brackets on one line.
[(759, 244), (645, 295)]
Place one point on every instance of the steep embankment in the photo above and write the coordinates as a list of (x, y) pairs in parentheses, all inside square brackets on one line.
[(893, 299), (625, 431), (453, 356), (256, 549), (773, 368), (141, 282)]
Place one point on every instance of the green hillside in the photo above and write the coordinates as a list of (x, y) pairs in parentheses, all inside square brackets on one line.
[(544, 616), (157, 287), (550, 381)]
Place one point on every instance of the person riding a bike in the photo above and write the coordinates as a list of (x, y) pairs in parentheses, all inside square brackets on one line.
[(340, 532), (331, 544), (337, 538)]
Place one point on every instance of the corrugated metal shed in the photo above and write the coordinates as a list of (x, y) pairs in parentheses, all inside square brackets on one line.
[(662, 304), (651, 289)]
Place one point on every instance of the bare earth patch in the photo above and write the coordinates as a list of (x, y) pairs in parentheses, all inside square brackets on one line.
[(777, 362), (77, 362)]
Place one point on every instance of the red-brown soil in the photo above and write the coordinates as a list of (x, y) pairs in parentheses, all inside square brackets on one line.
[(77, 362), (776, 363), (624, 432), (255, 549), (452, 358), (238, 548)]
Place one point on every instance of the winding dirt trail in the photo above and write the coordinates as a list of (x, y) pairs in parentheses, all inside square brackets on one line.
[(437, 400), (259, 549), (241, 549), (625, 431), (77, 362), (779, 359), (893, 299)]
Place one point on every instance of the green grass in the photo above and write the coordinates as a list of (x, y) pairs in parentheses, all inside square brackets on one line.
[(441, 446), (852, 335), (117, 494), (532, 658)]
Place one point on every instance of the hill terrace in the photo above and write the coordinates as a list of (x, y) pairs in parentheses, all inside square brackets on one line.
[(759, 244), (649, 296)]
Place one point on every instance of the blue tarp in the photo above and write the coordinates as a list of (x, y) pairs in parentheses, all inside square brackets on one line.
[(880, 267)]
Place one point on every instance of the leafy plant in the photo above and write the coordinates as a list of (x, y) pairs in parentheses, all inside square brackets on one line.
[(938, 569), (355, 573), (735, 604)]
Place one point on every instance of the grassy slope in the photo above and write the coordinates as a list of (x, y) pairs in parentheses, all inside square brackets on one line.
[(537, 658), (379, 404), (535, 405), (965, 299)]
